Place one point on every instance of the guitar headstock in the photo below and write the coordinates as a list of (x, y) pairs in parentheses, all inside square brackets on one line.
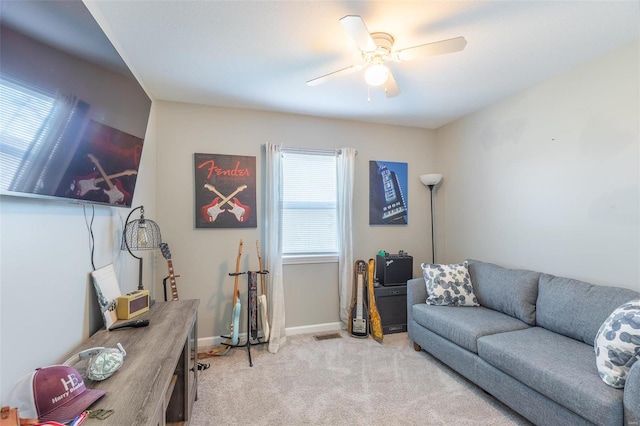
[(164, 248), (360, 267), (240, 248), (238, 258)]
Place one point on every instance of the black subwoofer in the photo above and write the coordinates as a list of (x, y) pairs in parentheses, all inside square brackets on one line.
[(392, 306)]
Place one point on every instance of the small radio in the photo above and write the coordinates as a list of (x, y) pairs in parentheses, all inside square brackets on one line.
[(133, 304)]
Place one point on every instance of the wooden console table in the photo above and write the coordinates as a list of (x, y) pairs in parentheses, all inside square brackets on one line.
[(158, 380)]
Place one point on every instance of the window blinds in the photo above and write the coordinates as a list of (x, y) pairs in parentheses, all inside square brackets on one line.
[(309, 203)]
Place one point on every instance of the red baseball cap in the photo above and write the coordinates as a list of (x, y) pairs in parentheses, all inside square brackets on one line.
[(55, 393)]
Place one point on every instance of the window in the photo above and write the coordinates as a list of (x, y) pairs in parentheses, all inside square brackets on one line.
[(40, 132), (309, 217), (23, 116)]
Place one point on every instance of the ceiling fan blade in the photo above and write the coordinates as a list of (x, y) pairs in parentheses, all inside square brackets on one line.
[(430, 49), (344, 71), (390, 87), (358, 31)]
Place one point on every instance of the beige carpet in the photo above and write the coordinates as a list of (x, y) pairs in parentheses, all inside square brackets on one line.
[(344, 381)]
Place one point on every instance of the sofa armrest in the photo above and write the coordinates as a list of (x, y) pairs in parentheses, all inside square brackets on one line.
[(632, 396), (416, 293)]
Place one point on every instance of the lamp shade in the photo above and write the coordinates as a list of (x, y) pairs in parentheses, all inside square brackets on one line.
[(430, 179), (376, 75), (140, 234)]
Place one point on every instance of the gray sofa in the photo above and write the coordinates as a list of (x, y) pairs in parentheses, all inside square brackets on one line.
[(529, 344)]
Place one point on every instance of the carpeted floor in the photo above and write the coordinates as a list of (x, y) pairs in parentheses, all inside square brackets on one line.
[(342, 381)]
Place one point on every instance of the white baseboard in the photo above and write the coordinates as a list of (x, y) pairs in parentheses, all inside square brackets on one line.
[(206, 343), (315, 328), (212, 342)]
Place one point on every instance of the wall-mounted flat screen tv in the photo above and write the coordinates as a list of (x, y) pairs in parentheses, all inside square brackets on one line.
[(72, 115)]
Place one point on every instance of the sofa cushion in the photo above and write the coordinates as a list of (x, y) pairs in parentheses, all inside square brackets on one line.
[(575, 308), (511, 291), (448, 285), (464, 325), (617, 344), (558, 367)]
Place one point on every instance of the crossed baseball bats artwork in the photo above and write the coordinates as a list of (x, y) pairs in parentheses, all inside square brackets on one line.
[(210, 212)]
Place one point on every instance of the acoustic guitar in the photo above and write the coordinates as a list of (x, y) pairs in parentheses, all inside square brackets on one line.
[(359, 321)]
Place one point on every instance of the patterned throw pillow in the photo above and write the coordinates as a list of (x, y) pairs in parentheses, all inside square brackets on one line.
[(617, 344), (449, 285)]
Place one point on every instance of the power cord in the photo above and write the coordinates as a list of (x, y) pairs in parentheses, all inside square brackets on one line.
[(89, 225)]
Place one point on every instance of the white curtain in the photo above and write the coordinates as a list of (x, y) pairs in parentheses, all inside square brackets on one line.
[(273, 245), (346, 172)]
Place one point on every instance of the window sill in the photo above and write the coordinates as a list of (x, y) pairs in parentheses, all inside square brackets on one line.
[(309, 258)]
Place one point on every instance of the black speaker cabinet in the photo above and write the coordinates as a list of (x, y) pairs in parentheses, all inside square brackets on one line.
[(392, 306), (394, 269)]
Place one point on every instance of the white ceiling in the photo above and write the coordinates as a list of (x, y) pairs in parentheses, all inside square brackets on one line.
[(259, 54)]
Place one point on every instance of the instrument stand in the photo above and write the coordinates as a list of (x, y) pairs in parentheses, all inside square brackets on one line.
[(164, 285), (248, 343)]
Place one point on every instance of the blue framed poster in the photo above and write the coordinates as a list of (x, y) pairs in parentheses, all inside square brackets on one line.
[(388, 203)]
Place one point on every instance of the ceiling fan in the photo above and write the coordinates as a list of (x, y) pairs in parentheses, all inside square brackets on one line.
[(377, 49)]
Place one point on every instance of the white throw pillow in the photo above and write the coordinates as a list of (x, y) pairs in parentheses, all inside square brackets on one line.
[(449, 285), (617, 344)]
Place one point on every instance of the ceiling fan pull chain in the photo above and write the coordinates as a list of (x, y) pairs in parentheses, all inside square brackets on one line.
[(368, 93)]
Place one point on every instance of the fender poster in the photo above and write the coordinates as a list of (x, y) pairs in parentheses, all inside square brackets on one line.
[(225, 191)]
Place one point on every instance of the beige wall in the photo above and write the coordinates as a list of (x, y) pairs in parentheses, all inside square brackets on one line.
[(204, 257), (546, 180), (549, 179), (47, 302)]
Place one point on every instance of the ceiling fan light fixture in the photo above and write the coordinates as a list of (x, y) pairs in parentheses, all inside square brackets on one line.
[(377, 48), (376, 75)]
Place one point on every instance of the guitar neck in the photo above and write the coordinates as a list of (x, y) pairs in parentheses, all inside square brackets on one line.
[(117, 175), (237, 277), (96, 163), (225, 199), (359, 298), (262, 278), (172, 281), (359, 323)]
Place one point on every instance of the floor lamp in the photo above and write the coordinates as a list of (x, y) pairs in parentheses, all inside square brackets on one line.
[(431, 180), (140, 234)]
